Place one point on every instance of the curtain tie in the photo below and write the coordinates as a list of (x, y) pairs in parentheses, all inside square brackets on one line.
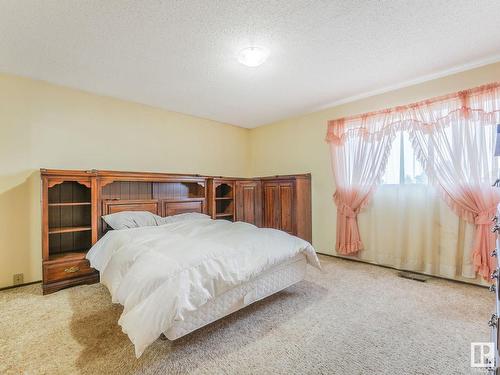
[(483, 218), (348, 212)]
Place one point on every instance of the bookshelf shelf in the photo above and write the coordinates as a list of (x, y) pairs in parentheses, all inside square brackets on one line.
[(223, 215), (70, 204), (68, 229)]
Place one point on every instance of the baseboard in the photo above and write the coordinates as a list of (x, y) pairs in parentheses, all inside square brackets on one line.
[(401, 269), (20, 285)]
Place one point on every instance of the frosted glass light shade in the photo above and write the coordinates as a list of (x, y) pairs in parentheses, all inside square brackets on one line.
[(253, 56)]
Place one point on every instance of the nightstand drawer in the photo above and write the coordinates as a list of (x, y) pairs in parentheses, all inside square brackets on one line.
[(66, 270)]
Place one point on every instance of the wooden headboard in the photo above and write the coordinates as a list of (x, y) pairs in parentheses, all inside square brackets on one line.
[(158, 207), (158, 193), (112, 206)]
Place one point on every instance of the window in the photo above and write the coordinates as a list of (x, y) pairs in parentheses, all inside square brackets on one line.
[(403, 166)]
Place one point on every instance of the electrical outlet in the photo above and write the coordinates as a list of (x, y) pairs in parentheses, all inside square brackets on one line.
[(18, 278)]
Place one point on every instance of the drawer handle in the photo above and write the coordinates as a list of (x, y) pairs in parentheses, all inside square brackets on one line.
[(72, 269)]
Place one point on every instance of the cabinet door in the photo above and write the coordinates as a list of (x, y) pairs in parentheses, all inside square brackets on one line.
[(286, 203), (271, 194), (248, 202)]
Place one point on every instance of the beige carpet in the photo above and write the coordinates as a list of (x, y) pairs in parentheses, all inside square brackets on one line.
[(352, 319)]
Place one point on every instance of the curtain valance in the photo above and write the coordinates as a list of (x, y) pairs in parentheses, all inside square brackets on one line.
[(480, 103)]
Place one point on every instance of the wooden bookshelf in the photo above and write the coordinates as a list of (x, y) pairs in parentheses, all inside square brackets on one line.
[(221, 198), (68, 230)]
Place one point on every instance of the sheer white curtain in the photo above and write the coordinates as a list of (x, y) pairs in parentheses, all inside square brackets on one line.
[(408, 226)]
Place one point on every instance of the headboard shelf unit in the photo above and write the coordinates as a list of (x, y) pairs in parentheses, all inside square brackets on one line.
[(162, 195), (74, 201)]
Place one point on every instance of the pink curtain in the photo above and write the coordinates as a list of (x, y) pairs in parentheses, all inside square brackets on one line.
[(359, 158), (454, 138), (455, 142)]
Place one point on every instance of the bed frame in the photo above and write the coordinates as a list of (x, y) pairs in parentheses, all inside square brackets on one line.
[(73, 202)]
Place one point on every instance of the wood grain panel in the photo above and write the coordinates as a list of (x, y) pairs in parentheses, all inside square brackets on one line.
[(271, 205), (128, 190), (248, 202), (303, 213), (114, 206), (286, 207), (181, 207), (178, 190)]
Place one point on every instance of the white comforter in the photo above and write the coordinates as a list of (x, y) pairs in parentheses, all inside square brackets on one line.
[(159, 273)]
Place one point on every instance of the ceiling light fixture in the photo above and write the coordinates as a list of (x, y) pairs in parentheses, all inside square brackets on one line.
[(253, 56)]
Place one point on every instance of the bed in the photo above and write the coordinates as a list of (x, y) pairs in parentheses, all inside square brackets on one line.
[(191, 270)]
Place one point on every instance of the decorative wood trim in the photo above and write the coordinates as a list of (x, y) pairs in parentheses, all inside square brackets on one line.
[(94, 193), (54, 287), (58, 181), (287, 177), (108, 204), (149, 176), (45, 218)]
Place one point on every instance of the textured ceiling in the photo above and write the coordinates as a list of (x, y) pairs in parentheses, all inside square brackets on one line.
[(181, 55)]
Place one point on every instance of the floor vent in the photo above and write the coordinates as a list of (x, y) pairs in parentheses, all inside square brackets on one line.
[(413, 276)]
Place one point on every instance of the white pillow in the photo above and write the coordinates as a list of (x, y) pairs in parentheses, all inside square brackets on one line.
[(184, 217), (132, 219)]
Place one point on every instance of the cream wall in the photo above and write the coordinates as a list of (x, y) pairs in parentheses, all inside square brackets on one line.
[(43, 125), (297, 145)]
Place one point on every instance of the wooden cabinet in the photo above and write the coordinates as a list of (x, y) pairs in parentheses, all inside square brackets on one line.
[(280, 202), (287, 204), (249, 201)]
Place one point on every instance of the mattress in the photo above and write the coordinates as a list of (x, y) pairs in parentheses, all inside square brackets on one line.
[(267, 283)]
